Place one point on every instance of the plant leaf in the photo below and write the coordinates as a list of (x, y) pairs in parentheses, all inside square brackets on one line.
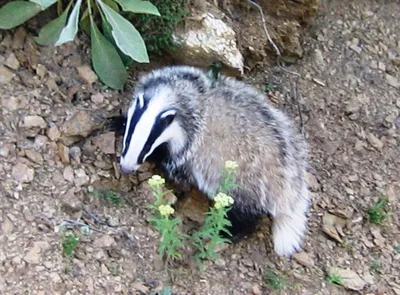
[(44, 3), (69, 32), (138, 6), (17, 12), (84, 23), (112, 4), (106, 61), (49, 34), (128, 39), (107, 33)]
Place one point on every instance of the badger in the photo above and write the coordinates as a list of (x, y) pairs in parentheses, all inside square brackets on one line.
[(191, 125)]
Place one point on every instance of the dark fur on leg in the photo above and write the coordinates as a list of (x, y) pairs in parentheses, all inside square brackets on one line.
[(243, 223)]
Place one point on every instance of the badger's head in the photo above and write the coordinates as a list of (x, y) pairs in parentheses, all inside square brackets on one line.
[(165, 111)]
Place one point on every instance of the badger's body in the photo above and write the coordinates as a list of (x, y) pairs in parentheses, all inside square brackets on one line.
[(197, 128)]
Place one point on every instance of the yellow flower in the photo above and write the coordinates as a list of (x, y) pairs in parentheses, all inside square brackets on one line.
[(231, 165), (222, 200), (166, 210), (156, 180)]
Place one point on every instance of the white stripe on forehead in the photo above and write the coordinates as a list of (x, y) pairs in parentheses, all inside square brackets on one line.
[(129, 119), (158, 103)]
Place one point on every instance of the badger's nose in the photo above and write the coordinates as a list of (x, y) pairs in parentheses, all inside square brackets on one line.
[(125, 170), (128, 169)]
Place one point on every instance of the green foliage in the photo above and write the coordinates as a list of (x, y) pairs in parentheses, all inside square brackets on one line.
[(69, 242), (118, 45), (376, 266), (274, 279), (335, 278), (378, 213), (208, 238), (109, 196), (397, 248), (171, 238), (165, 291), (157, 31)]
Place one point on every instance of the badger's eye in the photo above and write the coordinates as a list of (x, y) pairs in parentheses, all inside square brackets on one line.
[(167, 117)]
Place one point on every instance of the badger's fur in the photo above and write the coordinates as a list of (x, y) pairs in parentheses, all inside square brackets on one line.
[(195, 128)]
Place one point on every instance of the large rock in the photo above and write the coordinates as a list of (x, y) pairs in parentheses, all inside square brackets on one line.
[(206, 39)]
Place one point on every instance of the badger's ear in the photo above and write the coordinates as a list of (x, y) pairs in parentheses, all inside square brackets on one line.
[(168, 116)]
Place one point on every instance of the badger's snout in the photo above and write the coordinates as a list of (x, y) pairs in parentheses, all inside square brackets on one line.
[(127, 168)]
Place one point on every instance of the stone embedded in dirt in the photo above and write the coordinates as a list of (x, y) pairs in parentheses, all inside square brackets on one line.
[(63, 152), (87, 74), (68, 174), (22, 173), (6, 149), (105, 241), (34, 121), (53, 133), (140, 287), (12, 62), (379, 240), (6, 75), (70, 203), (97, 98), (256, 290), (81, 124), (75, 153), (41, 71), (19, 38), (207, 40), (81, 178), (348, 278), (34, 156), (312, 181), (33, 255), (7, 225), (303, 259), (331, 224), (374, 141), (393, 81), (105, 142)]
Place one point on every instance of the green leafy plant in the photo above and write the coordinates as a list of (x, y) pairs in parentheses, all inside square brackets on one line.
[(274, 279), (378, 213), (113, 48), (376, 266), (157, 31), (335, 278), (208, 238), (171, 237), (165, 291), (397, 248), (69, 242), (109, 196)]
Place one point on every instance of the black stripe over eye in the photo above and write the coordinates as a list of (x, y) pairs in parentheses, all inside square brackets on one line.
[(161, 123), (137, 114)]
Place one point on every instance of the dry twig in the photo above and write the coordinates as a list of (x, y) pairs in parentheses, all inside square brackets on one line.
[(278, 54)]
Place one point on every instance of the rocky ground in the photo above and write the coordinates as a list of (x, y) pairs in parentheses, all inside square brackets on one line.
[(53, 168)]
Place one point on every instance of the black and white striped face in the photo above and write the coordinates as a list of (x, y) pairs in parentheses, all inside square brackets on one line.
[(151, 121)]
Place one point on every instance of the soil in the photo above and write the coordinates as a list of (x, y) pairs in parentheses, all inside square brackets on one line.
[(350, 105)]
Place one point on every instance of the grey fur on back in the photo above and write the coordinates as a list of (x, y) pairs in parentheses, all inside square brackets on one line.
[(233, 121)]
